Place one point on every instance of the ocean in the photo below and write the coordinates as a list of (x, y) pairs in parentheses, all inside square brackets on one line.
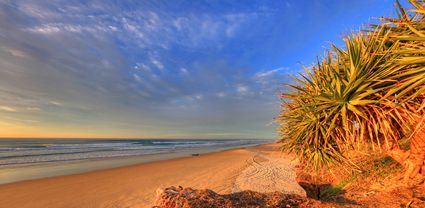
[(27, 152)]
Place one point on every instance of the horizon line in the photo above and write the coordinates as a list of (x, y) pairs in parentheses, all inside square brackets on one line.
[(135, 138)]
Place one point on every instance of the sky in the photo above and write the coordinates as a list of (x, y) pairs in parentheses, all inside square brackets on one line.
[(160, 69)]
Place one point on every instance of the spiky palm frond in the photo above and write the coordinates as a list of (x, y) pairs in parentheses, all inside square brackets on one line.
[(369, 91)]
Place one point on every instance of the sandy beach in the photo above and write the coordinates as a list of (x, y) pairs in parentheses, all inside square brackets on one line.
[(259, 168)]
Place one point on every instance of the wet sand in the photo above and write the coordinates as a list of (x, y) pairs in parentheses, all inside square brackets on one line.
[(38, 171)]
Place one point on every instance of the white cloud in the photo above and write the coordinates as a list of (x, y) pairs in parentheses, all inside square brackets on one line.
[(89, 90), (73, 28), (17, 53), (220, 94), (153, 21), (113, 28), (242, 89), (131, 27), (143, 68), (184, 71), (56, 103), (45, 29), (157, 63), (36, 11), (137, 78), (235, 21), (8, 109), (57, 28), (198, 97), (269, 73), (144, 27), (180, 23)]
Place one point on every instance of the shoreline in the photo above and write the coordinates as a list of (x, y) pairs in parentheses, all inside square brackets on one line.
[(135, 185), (16, 174)]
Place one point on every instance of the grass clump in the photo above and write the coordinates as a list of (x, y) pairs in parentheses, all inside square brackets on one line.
[(374, 170)]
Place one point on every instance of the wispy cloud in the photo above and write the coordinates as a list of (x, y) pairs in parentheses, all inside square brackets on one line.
[(115, 66), (184, 71), (8, 109), (45, 29), (56, 103), (83, 64), (242, 89), (157, 63), (266, 74)]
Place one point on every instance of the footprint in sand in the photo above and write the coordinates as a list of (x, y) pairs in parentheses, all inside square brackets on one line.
[(268, 174)]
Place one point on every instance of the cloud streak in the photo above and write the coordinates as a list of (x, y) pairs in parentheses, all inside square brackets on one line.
[(144, 68)]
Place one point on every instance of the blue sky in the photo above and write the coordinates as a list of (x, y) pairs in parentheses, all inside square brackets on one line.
[(160, 69)]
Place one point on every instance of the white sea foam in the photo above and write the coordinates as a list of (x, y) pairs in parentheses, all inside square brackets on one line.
[(30, 152)]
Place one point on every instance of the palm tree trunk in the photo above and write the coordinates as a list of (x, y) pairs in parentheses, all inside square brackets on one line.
[(414, 159), (415, 162)]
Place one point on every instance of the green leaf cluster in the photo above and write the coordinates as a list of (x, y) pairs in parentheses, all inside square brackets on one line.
[(370, 91)]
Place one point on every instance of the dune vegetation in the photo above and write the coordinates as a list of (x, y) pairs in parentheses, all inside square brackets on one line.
[(369, 93)]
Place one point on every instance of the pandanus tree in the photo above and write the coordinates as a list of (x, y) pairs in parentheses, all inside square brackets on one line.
[(369, 92)]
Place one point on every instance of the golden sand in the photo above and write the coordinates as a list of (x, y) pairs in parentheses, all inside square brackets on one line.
[(260, 167)]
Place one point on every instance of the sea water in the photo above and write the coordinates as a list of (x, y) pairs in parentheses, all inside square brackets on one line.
[(27, 152)]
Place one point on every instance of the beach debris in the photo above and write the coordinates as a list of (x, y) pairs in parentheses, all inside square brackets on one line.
[(180, 197)]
